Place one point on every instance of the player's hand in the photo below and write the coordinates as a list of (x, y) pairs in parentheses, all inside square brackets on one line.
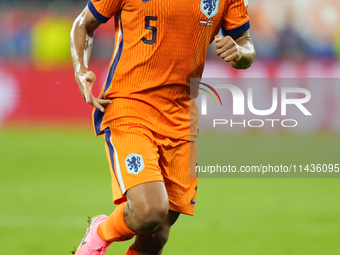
[(228, 49), (85, 82)]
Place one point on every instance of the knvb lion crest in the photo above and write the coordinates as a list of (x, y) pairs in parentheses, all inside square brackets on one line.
[(134, 163), (209, 7)]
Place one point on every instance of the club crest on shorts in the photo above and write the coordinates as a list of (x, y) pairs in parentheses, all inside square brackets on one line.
[(209, 7), (134, 163)]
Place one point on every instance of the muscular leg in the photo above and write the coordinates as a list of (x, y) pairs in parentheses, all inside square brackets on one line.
[(147, 207), (153, 243), (147, 214)]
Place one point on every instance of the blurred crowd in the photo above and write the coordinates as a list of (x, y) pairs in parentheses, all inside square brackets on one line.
[(39, 30)]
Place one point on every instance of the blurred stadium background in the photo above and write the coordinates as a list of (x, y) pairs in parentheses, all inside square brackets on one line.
[(52, 168)]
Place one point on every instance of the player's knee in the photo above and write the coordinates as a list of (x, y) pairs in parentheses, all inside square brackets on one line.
[(150, 217), (159, 239), (162, 236), (154, 244)]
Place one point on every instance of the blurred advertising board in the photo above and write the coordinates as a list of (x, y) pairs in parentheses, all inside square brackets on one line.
[(29, 93)]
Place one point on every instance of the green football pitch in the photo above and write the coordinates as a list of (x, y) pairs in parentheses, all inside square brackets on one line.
[(52, 179)]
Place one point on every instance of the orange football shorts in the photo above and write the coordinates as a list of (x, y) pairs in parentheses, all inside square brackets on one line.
[(138, 155)]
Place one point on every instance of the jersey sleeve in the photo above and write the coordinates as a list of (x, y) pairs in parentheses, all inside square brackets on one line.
[(236, 19), (103, 10)]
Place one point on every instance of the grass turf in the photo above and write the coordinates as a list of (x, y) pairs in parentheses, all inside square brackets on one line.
[(51, 180)]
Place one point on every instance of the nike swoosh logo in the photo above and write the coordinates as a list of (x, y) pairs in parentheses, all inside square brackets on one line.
[(144, 1), (192, 200)]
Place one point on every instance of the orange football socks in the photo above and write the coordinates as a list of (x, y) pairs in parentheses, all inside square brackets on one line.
[(114, 228), (131, 251)]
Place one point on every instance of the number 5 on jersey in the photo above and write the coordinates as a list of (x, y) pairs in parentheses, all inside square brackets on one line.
[(152, 28)]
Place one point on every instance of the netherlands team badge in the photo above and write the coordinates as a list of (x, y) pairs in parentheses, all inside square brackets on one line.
[(209, 7), (134, 163)]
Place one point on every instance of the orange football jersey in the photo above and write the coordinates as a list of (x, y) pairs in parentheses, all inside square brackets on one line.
[(159, 46)]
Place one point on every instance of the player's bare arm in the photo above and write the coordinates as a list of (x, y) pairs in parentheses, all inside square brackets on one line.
[(238, 51), (81, 41)]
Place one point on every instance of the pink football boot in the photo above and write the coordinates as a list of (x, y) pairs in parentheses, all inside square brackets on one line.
[(91, 243)]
